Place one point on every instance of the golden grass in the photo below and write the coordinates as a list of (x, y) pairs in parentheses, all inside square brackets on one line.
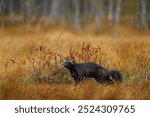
[(31, 63)]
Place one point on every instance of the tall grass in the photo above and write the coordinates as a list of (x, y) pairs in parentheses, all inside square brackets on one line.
[(31, 65)]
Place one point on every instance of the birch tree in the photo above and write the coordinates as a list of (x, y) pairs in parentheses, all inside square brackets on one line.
[(55, 4), (46, 10), (118, 12), (29, 9), (99, 13), (110, 11), (76, 14), (143, 14), (12, 11), (2, 7)]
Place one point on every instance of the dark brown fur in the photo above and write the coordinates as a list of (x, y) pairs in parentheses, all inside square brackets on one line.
[(102, 75)]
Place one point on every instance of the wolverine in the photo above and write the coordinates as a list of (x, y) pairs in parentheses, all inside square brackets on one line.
[(80, 71)]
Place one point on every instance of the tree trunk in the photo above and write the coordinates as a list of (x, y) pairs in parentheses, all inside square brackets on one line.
[(87, 11), (12, 11), (117, 17), (143, 14), (64, 11), (118, 12), (22, 10), (46, 5), (99, 13), (28, 4), (77, 14), (111, 12), (55, 11), (2, 7)]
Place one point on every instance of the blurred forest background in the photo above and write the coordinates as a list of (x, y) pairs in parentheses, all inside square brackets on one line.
[(77, 13)]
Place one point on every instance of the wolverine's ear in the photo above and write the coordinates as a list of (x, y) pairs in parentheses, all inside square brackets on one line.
[(65, 60), (73, 61)]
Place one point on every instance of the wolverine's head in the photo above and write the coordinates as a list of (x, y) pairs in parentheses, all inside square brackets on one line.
[(68, 63)]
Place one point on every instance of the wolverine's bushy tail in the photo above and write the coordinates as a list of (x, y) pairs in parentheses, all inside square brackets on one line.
[(115, 76)]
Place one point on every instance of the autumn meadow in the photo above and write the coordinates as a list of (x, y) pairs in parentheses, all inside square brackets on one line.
[(32, 56)]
